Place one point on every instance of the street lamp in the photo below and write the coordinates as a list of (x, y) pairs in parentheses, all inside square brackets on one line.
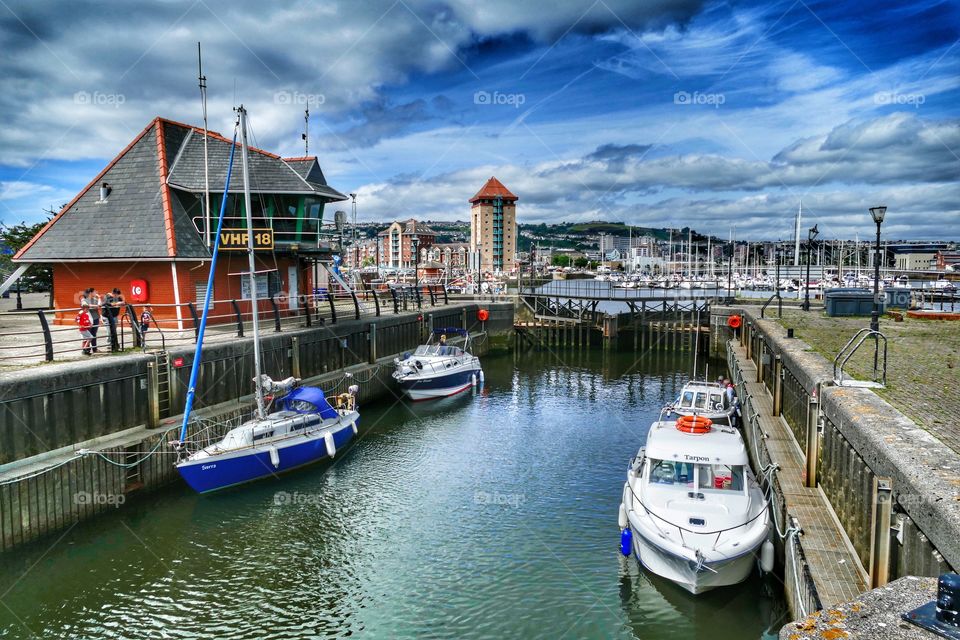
[(415, 246), (353, 197), (811, 236), (877, 213)]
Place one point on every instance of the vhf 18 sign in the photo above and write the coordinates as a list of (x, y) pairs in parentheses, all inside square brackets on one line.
[(236, 239)]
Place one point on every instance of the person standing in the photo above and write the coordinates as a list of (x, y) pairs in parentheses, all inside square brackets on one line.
[(93, 300), (83, 323), (145, 319), (112, 303)]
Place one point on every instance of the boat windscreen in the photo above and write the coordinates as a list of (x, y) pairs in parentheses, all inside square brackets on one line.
[(720, 477), (669, 472)]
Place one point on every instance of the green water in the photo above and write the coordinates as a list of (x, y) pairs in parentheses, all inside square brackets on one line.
[(489, 515)]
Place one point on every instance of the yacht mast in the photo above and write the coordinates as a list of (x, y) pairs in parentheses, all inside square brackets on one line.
[(254, 307)]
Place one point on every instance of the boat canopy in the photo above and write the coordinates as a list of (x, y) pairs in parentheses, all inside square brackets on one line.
[(722, 445), (447, 330), (309, 400)]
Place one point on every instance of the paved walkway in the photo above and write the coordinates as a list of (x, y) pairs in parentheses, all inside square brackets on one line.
[(835, 568), (923, 366)]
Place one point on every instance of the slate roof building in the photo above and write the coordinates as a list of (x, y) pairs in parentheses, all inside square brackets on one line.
[(142, 218), (396, 243)]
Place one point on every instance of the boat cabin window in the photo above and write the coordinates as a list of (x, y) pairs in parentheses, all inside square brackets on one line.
[(686, 400), (718, 401), (720, 477), (670, 472), (701, 401), (302, 406)]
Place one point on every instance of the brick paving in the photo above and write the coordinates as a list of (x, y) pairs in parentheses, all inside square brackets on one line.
[(923, 364)]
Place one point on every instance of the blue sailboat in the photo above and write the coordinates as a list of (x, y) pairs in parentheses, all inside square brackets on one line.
[(292, 427)]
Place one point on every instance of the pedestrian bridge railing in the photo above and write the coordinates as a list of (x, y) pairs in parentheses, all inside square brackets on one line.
[(53, 334)]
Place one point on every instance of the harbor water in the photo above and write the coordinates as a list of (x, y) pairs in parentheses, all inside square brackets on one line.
[(489, 515)]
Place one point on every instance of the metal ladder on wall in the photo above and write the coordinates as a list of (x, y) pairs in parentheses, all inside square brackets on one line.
[(879, 380), (163, 383), (133, 479)]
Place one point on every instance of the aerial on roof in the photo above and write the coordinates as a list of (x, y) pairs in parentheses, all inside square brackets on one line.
[(492, 189), (151, 185)]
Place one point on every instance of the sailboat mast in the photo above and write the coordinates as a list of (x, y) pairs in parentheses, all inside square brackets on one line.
[(206, 166), (255, 311)]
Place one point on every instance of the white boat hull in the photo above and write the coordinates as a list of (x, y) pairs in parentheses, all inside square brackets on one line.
[(684, 572)]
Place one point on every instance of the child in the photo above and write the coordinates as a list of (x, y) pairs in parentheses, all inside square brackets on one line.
[(145, 319), (84, 322)]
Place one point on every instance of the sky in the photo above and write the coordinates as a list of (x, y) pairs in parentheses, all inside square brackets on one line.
[(664, 113)]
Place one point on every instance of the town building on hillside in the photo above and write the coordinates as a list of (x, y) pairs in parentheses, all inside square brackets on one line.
[(141, 226), (493, 228), (948, 260), (396, 243)]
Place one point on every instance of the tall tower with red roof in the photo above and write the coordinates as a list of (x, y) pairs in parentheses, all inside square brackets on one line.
[(493, 227)]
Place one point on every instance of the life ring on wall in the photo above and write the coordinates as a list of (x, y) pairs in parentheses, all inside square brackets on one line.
[(483, 315), (697, 425), (734, 322)]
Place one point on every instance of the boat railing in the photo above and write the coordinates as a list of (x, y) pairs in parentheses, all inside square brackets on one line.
[(717, 532)]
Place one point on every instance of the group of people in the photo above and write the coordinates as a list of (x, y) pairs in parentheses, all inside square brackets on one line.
[(97, 310)]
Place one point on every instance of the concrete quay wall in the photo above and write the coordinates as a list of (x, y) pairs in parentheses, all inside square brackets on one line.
[(852, 440)]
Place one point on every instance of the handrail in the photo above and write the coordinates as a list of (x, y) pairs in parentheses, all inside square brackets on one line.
[(862, 334)]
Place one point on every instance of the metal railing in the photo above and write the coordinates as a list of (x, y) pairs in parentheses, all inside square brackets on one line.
[(606, 290), (55, 335), (843, 357)]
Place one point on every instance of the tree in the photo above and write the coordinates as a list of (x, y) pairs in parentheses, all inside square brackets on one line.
[(367, 262), (581, 262), (560, 261), (38, 277)]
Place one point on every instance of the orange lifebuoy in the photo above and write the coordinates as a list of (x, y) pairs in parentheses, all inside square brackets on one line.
[(483, 315), (733, 322), (697, 425)]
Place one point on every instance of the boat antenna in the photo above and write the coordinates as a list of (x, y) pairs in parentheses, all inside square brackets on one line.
[(306, 132), (696, 341), (206, 167), (251, 262), (198, 351)]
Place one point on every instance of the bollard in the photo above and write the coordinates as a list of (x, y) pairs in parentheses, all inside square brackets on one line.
[(880, 515), (777, 385), (153, 395), (813, 440), (295, 356)]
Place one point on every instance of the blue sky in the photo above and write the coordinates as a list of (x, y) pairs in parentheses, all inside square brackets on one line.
[(662, 113)]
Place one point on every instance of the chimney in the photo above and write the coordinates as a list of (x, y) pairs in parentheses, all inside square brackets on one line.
[(105, 190)]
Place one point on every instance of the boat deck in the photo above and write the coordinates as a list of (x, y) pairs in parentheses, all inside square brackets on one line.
[(834, 566)]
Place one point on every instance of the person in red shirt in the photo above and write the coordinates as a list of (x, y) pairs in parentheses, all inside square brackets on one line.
[(85, 322)]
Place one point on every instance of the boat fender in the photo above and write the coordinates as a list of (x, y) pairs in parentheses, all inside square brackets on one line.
[(622, 518), (626, 542), (331, 445), (473, 380), (766, 557), (353, 425), (481, 375), (274, 457)]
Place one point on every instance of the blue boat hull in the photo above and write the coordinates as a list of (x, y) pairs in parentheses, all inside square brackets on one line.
[(220, 472), (440, 386)]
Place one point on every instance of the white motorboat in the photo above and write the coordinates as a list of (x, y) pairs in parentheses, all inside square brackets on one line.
[(692, 511), (436, 369), (708, 399)]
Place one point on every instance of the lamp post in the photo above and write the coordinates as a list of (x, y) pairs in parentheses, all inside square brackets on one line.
[(353, 197), (877, 213), (415, 246), (811, 236)]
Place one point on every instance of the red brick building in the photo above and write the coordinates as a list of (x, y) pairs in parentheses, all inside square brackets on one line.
[(140, 225)]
